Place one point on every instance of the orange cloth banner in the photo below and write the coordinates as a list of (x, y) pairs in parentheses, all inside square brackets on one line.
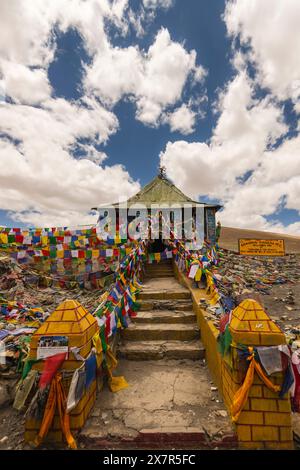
[(240, 397), (56, 398)]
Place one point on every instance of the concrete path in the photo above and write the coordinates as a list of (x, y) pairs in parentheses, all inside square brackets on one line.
[(163, 284), (168, 399)]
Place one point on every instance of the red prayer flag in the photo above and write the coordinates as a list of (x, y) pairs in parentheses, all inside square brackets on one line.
[(107, 327), (223, 322), (51, 366)]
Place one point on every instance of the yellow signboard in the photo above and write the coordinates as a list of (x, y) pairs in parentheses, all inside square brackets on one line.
[(256, 247)]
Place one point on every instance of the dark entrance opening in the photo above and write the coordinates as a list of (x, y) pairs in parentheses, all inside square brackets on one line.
[(156, 246)]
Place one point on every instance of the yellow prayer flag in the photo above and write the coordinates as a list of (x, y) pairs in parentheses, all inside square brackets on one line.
[(45, 240), (198, 275), (98, 346), (3, 238), (214, 299)]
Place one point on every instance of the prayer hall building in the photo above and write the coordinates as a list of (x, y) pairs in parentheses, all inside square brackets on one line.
[(162, 197)]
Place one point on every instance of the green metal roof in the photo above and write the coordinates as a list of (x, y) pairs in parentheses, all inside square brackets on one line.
[(161, 191), (158, 191)]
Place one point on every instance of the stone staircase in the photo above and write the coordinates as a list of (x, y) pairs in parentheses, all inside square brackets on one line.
[(165, 326), (170, 403), (162, 269)]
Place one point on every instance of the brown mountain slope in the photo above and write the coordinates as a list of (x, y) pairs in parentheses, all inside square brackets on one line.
[(230, 236)]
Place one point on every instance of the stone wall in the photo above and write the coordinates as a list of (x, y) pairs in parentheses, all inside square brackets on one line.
[(265, 422)]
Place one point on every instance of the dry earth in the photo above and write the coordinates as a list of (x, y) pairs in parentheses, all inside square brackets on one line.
[(230, 236)]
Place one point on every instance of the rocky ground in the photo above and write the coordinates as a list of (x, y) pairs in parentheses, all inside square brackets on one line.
[(273, 282), (15, 286), (283, 305), (11, 429), (18, 295)]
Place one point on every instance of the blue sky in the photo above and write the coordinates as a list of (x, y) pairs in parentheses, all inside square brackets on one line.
[(91, 108), (196, 24)]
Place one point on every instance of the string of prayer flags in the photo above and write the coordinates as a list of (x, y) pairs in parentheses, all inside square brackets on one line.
[(167, 254)]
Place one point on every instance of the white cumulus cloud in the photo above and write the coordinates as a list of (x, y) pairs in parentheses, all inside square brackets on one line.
[(251, 163), (240, 165), (271, 29), (42, 181), (182, 119), (154, 79), (158, 3)]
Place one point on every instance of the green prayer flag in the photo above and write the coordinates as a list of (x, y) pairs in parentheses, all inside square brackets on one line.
[(27, 367), (103, 340)]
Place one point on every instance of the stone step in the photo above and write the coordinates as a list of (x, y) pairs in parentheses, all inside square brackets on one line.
[(155, 350), (163, 262), (161, 288), (154, 272), (161, 331), (163, 272), (181, 305), (164, 295), (156, 275), (159, 268), (165, 316)]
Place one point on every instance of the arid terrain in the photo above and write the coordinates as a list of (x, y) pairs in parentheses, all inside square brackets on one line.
[(274, 282), (230, 238)]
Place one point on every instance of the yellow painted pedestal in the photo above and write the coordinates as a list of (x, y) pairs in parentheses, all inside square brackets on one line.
[(70, 319)]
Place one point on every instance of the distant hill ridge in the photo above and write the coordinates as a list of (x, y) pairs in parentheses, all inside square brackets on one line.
[(230, 236)]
